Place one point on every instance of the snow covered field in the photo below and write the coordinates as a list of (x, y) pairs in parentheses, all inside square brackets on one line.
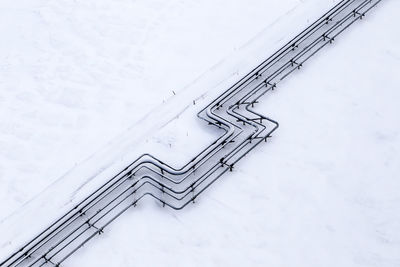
[(77, 77)]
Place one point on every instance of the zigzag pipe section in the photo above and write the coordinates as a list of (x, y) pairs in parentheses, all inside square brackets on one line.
[(148, 176)]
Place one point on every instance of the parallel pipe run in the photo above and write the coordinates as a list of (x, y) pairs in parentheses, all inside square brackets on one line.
[(231, 112)]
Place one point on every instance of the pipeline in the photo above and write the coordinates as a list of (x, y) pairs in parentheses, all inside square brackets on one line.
[(243, 129)]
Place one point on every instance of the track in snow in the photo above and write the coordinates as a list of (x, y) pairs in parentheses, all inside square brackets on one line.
[(243, 130)]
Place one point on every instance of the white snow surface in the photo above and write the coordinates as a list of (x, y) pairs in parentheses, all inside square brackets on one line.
[(87, 86)]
